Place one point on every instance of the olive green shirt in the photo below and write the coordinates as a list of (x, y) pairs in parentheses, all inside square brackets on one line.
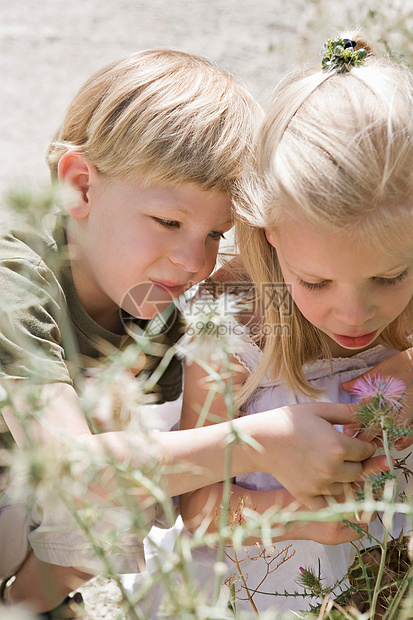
[(45, 333)]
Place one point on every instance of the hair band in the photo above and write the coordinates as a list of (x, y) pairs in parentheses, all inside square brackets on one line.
[(340, 55)]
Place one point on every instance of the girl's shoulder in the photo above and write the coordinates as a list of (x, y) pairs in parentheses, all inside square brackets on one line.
[(324, 370), (232, 280)]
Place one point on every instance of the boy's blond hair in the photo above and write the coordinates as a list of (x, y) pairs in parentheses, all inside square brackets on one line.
[(162, 116), (336, 151)]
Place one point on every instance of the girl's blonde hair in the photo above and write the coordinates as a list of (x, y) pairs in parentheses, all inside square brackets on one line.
[(162, 116), (335, 151)]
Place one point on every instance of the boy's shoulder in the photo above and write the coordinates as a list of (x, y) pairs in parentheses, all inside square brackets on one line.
[(34, 255), (37, 244), (34, 308)]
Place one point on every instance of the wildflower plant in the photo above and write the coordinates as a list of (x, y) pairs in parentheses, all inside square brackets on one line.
[(381, 402), (90, 486), (211, 328), (381, 573)]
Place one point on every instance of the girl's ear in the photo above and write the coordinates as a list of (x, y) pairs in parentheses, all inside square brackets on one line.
[(76, 173), (270, 237)]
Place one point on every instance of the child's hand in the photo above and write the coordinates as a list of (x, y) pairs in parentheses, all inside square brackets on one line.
[(400, 366), (308, 456), (333, 533)]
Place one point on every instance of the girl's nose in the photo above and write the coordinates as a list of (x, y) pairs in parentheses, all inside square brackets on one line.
[(354, 309)]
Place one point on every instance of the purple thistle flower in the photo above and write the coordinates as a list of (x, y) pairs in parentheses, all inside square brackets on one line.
[(308, 580), (388, 390)]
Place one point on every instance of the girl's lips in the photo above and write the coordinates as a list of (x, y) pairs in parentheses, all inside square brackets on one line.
[(355, 341)]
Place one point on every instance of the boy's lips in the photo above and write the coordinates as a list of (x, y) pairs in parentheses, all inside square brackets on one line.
[(173, 289), (355, 341)]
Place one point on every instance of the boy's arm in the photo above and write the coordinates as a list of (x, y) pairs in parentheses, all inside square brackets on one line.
[(61, 415), (195, 457), (202, 449)]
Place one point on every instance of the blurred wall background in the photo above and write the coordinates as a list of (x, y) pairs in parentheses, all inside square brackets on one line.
[(48, 49)]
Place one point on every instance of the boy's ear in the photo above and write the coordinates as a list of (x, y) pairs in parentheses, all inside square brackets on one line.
[(76, 173)]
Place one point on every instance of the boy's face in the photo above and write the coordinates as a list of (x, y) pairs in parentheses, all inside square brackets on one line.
[(134, 242)]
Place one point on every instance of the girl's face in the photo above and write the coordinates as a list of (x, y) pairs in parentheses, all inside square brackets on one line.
[(345, 288)]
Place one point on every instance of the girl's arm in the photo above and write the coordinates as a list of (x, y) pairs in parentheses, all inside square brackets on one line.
[(400, 366), (203, 506)]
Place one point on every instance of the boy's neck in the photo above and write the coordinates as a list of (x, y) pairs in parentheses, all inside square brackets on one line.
[(94, 301)]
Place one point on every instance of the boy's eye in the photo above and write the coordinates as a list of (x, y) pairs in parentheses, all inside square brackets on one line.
[(216, 235), (167, 223), (313, 286), (392, 281)]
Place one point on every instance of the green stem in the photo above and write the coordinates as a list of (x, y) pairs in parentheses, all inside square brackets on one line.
[(133, 612), (383, 545), (226, 491), (386, 448), (393, 612)]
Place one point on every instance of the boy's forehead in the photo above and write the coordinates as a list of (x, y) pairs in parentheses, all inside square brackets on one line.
[(186, 200)]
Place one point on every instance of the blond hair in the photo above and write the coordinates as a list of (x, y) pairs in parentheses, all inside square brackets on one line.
[(162, 116), (336, 151)]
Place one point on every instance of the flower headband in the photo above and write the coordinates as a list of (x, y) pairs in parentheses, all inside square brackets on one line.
[(340, 55)]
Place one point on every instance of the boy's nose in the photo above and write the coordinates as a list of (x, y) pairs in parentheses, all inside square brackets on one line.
[(190, 257)]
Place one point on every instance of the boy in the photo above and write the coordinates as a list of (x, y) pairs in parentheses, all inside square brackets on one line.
[(154, 149)]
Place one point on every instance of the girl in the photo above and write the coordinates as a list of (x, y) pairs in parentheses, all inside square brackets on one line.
[(333, 233)]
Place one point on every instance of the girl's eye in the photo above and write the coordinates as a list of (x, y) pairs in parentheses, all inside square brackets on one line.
[(216, 235), (313, 286), (167, 223), (392, 281)]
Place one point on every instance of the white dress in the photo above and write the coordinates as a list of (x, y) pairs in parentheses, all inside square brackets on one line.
[(277, 569), (331, 560)]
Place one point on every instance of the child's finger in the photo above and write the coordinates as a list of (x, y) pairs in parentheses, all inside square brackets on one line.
[(350, 534), (351, 430), (338, 413), (355, 430), (357, 450), (347, 386), (374, 465), (404, 443)]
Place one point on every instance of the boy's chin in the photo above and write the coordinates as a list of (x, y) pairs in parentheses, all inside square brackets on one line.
[(146, 301), (148, 312)]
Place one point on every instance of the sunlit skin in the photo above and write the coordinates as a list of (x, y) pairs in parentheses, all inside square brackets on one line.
[(348, 289), (124, 234)]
